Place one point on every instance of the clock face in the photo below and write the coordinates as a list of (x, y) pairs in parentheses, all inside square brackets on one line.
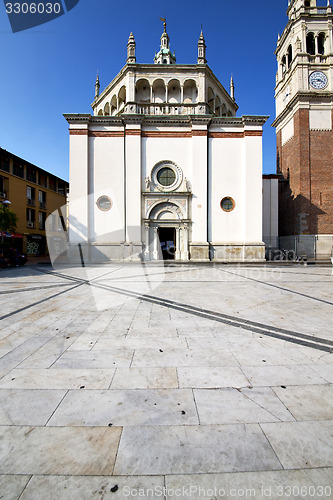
[(318, 80)]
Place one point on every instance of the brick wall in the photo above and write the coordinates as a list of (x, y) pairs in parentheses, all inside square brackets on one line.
[(306, 193)]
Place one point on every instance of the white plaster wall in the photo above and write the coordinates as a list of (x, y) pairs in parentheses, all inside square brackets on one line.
[(253, 189), (133, 188), (199, 182), (78, 201), (106, 160), (226, 161), (156, 149)]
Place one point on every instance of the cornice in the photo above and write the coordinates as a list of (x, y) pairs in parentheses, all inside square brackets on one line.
[(301, 96)]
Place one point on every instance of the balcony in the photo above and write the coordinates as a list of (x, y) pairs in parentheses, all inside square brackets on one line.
[(42, 205), (167, 109), (31, 202)]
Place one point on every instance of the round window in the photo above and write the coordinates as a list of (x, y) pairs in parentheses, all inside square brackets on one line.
[(104, 203), (227, 204), (166, 176)]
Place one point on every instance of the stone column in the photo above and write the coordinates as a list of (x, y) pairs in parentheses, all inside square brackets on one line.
[(147, 250), (155, 251), (177, 252), (185, 252)]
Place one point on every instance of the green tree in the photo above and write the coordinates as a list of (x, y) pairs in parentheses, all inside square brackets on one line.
[(8, 220)]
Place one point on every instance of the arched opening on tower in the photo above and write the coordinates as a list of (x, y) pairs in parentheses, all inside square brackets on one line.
[(289, 55), (310, 44), (321, 43)]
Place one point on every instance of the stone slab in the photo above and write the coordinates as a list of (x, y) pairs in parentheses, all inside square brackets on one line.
[(126, 408), (194, 449), (58, 450)]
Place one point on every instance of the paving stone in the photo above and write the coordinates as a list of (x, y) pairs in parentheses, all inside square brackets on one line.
[(194, 449), (57, 379), (310, 402), (28, 407), (212, 377), (58, 450), (282, 375), (224, 406), (88, 487), (297, 484), (302, 444), (11, 486), (145, 378), (126, 407)]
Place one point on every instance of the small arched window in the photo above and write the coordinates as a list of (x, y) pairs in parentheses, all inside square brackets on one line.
[(321, 43), (283, 62), (289, 56), (310, 44)]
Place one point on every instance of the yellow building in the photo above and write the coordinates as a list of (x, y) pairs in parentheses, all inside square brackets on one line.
[(34, 194)]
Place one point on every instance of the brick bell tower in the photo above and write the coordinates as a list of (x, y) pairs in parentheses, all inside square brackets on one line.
[(304, 115)]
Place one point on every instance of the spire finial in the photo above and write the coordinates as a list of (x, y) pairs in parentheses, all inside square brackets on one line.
[(131, 59), (201, 49), (232, 88), (97, 86), (164, 56)]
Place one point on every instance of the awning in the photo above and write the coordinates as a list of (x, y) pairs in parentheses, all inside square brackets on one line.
[(6, 234)]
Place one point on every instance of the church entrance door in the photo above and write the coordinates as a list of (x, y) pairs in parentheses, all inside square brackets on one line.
[(167, 237)]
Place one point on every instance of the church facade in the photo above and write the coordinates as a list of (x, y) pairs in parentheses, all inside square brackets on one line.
[(164, 169), (304, 114)]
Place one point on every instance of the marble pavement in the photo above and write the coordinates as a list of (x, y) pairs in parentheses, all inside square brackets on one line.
[(178, 381)]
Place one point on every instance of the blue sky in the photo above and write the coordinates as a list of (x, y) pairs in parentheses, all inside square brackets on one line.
[(51, 69)]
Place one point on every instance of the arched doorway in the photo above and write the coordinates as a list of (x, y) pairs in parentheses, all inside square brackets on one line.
[(166, 233)]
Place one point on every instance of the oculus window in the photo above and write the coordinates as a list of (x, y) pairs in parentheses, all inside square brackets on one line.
[(166, 176), (104, 203), (227, 204)]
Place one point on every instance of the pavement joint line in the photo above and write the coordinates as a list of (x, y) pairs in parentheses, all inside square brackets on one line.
[(32, 289), (290, 336), (281, 288), (5, 316)]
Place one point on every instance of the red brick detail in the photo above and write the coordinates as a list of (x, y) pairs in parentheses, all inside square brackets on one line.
[(235, 135), (78, 131), (306, 195), (199, 133), (133, 132), (104, 133), (162, 134)]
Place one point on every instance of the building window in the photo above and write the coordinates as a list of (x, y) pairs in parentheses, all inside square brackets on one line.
[(166, 176), (18, 170), (104, 203), (42, 200), (227, 204), (4, 164), (41, 220), (42, 179), (52, 183), (30, 217), (3, 187), (61, 188), (31, 196), (31, 175)]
